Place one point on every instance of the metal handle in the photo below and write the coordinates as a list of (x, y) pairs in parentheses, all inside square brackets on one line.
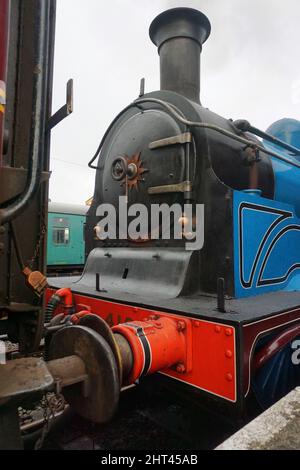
[(65, 110)]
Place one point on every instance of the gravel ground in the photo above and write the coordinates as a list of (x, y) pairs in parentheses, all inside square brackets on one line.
[(145, 424)]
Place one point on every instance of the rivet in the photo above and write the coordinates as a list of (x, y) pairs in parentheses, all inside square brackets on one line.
[(196, 324), (228, 353), (181, 325), (228, 332), (229, 377), (218, 329), (180, 368)]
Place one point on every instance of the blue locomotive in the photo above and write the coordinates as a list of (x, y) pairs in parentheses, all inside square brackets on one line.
[(235, 297)]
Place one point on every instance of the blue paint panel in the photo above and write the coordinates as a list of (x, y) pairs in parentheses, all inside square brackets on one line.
[(287, 130), (254, 231), (266, 245), (286, 176), (287, 179), (288, 245)]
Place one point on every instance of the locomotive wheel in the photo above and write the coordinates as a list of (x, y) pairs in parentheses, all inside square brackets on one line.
[(101, 367), (101, 327)]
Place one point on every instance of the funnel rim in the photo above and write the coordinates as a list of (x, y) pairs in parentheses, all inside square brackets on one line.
[(191, 12)]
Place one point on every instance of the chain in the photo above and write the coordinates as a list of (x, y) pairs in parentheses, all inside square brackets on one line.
[(45, 407), (43, 231), (57, 403), (50, 404)]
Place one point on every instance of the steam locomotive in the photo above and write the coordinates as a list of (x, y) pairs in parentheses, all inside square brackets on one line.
[(219, 321)]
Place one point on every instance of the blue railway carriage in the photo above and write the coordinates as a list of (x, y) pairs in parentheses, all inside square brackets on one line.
[(65, 243)]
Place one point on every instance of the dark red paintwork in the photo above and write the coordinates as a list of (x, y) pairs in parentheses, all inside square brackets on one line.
[(253, 332), (274, 346), (4, 34)]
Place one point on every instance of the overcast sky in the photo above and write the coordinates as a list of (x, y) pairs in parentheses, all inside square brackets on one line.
[(250, 69)]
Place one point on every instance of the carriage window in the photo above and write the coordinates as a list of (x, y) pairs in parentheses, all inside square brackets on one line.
[(61, 236)]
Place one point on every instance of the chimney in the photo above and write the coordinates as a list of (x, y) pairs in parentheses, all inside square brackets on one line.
[(179, 34)]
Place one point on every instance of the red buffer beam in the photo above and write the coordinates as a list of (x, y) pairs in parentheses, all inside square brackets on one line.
[(198, 352)]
